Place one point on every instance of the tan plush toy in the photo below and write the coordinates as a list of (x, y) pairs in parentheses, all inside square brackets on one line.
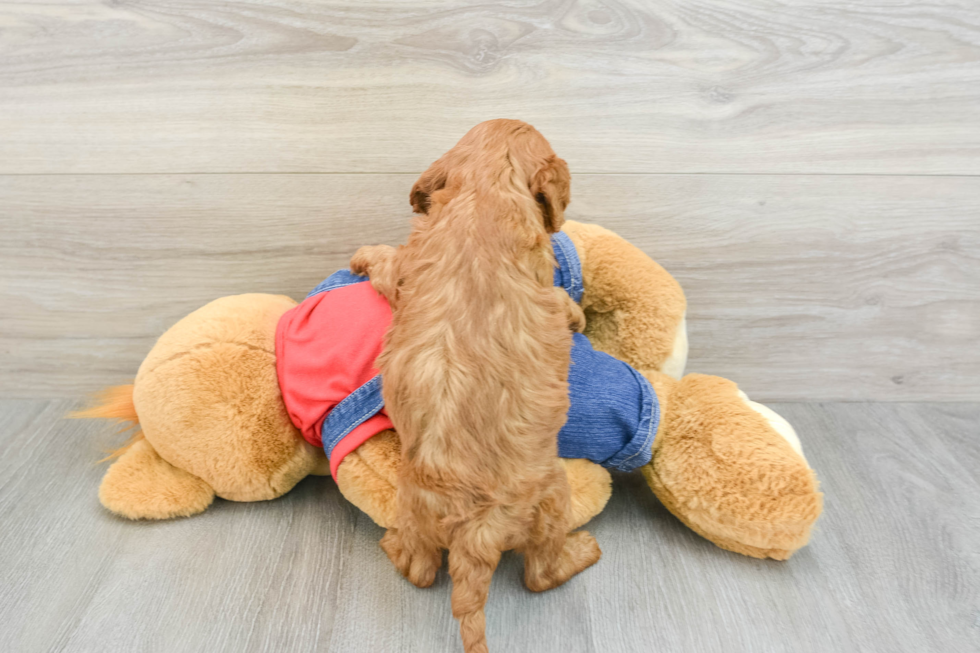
[(213, 422)]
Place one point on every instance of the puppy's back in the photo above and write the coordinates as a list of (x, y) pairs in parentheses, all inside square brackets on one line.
[(476, 362)]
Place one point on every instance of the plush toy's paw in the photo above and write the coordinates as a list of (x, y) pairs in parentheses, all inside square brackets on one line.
[(142, 485), (731, 472), (591, 487)]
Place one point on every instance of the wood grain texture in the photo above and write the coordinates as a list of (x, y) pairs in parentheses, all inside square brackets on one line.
[(801, 288), (245, 577), (618, 86), (893, 565)]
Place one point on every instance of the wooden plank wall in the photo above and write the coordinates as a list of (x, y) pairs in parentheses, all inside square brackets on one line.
[(807, 170)]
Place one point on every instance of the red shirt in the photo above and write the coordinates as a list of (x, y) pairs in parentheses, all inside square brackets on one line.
[(326, 349)]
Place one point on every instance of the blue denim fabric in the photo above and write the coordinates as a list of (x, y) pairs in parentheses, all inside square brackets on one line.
[(614, 410), (338, 279), (354, 410), (568, 274)]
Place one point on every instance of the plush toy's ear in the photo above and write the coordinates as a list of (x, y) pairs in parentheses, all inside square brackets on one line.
[(551, 187), (429, 182)]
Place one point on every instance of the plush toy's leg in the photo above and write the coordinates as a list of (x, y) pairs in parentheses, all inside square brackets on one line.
[(634, 309), (142, 485), (730, 469), (367, 477), (322, 465), (209, 403)]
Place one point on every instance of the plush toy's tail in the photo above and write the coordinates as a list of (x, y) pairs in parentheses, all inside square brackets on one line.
[(115, 403)]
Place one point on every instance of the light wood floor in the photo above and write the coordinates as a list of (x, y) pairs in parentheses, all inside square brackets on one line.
[(893, 566)]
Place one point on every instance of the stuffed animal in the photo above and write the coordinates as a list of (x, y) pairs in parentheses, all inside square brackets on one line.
[(209, 402)]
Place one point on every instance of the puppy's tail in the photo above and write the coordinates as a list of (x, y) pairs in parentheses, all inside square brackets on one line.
[(471, 569), (473, 629), (115, 403)]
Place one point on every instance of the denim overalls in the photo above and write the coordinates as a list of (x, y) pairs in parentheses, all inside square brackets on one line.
[(325, 352)]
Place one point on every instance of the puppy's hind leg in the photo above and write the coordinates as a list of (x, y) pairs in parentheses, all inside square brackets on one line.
[(552, 555), (379, 263)]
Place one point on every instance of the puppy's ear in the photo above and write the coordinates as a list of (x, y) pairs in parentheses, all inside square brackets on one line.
[(431, 180), (551, 187)]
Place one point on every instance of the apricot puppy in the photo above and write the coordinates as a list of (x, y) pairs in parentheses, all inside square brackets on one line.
[(475, 368)]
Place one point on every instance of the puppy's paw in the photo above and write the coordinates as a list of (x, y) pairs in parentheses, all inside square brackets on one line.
[(574, 313), (392, 545), (576, 317), (418, 566), (368, 257), (378, 263), (423, 567), (580, 551)]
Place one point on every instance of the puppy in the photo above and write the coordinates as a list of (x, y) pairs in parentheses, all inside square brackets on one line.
[(475, 368)]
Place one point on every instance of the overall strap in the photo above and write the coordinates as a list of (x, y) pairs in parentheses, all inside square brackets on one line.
[(568, 274), (354, 410), (338, 279)]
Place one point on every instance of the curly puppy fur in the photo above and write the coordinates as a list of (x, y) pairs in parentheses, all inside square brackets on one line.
[(475, 369)]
